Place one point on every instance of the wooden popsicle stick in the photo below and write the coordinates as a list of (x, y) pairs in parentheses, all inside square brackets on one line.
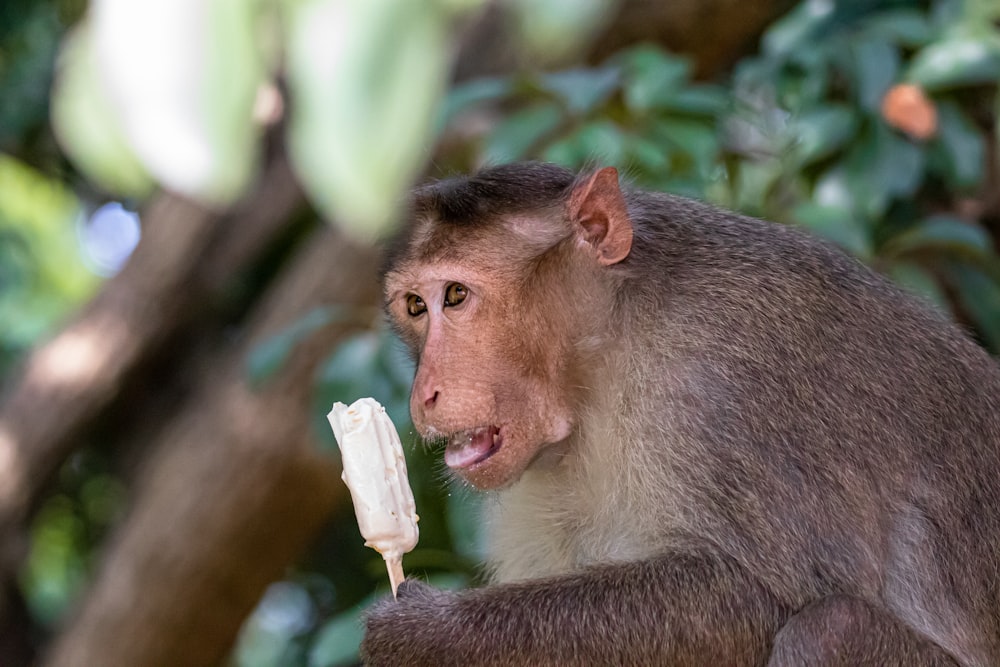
[(395, 567)]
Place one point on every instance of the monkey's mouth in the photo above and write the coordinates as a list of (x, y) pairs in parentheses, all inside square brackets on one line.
[(469, 448)]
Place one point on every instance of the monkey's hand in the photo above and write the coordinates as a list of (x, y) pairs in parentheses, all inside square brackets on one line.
[(403, 631), (681, 608)]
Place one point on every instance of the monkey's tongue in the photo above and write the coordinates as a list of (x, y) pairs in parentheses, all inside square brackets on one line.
[(471, 447)]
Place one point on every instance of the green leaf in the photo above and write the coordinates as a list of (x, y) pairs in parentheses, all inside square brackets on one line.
[(365, 81), (698, 140), (836, 224), (84, 122), (900, 163), (355, 370), (946, 14), (517, 135), (754, 182), (956, 63), (471, 94), (980, 15), (181, 79), (650, 156), (907, 27), (798, 28), (704, 100), (881, 166), (805, 80), (265, 359), (338, 641), (822, 131), (875, 68), (565, 152), (945, 234), (652, 78), (582, 90), (394, 363), (961, 146), (43, 276), (396, 360), (600, 140), (597, 141), (372, 363)]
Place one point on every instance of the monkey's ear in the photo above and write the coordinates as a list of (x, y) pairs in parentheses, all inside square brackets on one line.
[(597, 208)]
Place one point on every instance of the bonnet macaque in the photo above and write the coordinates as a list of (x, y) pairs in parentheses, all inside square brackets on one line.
[(707, 439)]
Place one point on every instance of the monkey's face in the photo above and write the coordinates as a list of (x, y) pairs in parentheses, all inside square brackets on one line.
[(497, 307), (489, 380)]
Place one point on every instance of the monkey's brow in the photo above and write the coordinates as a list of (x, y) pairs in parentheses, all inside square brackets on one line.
[(408, 278)]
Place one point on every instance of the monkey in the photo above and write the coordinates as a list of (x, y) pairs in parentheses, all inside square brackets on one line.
[(705, 439)]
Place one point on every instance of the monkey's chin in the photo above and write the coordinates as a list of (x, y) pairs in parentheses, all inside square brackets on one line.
[(468, 449)]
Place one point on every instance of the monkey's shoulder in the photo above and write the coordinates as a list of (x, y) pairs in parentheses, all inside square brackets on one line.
[(700, 255), (686, 232), (769, 309)]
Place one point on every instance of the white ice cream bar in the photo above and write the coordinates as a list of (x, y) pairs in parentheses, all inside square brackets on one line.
[(375, 473)]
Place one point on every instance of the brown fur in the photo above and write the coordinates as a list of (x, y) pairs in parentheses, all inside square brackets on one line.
[(766, 444)]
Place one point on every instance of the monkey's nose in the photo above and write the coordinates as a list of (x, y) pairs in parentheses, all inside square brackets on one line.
[(425, 396), (431, 400), (422, 404), (424, 393)]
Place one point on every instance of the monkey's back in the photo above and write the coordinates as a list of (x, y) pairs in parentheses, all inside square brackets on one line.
[(848, 436)]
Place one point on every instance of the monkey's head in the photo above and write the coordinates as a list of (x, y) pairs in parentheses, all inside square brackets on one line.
[(497, 286)]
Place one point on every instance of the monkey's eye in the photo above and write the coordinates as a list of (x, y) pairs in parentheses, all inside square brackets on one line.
[(415, 305), (455, 294)]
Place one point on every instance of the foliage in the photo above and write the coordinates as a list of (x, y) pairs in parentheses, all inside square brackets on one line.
[(42, 274), (180, 92), (639, 111), (832, 163), (66, 532), (30, 31)]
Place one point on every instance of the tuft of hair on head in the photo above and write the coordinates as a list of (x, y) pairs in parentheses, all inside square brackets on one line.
[(508, 192), (493, 191)]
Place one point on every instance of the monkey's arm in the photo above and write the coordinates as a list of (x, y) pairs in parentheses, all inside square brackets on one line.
[(680, 608)]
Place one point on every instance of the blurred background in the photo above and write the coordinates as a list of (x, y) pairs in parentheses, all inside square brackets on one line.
[(191, 195)]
